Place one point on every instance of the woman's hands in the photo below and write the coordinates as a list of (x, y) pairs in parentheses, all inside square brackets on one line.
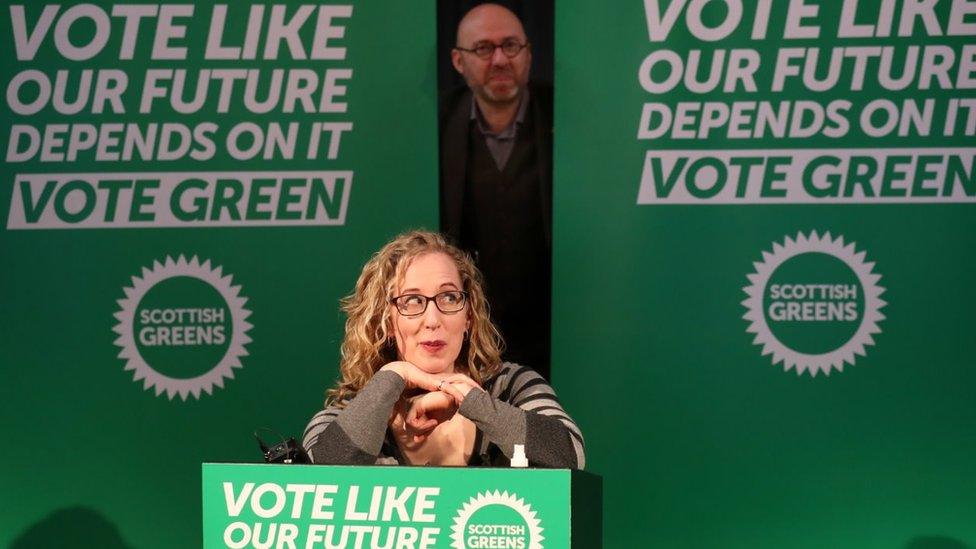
[(461, 383), (425, 412), (417, 417), (416, 378)]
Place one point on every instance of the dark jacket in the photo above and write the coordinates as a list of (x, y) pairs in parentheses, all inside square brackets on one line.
[(455, 117)]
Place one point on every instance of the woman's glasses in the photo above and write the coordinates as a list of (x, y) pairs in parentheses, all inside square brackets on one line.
[(447, 302)]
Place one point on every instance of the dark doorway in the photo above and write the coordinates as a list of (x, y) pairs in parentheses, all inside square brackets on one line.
[(517, 232)]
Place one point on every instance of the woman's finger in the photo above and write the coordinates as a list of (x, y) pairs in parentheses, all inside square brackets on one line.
[(445, 386), (428, 382), (463, 380), (423, 425), (453, 392)]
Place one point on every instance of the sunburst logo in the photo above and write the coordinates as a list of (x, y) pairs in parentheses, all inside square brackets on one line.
[(496, 519), (182, 327), (814, 303)]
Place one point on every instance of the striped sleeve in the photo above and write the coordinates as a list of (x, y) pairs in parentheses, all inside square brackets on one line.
[(552, 438), (353, 434), (317, 426)]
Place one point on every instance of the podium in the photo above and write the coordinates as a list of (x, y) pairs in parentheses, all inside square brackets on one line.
[(399, 507)]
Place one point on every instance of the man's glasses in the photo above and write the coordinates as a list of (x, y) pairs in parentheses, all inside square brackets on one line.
[(510, 47), (447, 302)]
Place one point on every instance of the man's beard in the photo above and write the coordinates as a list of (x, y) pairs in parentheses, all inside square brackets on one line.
[(506, 94), (510, 95)]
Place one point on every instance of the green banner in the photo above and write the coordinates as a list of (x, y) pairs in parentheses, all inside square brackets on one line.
[(402, 507), (764, 230), (187, 191)]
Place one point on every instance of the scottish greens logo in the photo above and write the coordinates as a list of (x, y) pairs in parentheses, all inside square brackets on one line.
[(496, 519), (182, 327), (813, 303)]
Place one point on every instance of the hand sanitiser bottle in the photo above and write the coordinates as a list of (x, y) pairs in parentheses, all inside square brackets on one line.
[(518, 457)]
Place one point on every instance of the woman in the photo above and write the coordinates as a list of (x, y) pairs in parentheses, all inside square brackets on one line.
[(422, 382)]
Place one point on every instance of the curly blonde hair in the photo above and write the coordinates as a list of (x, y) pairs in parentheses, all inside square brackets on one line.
[(367, 345)]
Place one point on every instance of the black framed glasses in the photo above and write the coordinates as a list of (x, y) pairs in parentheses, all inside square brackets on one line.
[(510, 47), (447, 302)]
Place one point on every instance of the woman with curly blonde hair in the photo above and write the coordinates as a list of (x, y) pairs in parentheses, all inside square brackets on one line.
[(421, 378)]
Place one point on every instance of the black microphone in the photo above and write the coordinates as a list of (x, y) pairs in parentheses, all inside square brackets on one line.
[(287, 451)]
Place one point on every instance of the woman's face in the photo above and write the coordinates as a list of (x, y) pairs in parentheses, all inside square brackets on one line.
[(431, 340)]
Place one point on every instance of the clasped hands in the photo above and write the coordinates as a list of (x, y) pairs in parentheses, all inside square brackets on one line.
[(438, 400)]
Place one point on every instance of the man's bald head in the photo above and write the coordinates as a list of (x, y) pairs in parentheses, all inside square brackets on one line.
[(498, 79), (487, 16)]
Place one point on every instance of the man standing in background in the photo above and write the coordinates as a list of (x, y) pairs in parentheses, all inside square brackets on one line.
[(496, 169)]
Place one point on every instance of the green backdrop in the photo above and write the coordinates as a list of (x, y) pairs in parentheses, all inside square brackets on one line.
[(709, 428), (94, 457), (691, 378)]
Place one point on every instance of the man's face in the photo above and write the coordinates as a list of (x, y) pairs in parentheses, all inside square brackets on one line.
[(497, 79)]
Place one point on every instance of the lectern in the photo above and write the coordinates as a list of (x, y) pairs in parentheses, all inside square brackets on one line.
[(387, 507)]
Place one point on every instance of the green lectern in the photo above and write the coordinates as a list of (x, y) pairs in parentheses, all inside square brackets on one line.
[(384, 507)]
